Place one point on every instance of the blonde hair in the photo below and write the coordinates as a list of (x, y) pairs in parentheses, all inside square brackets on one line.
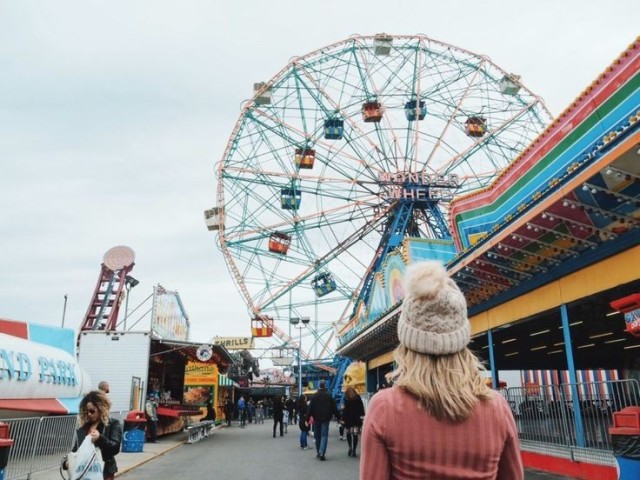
[(100, 401), (446, 386)]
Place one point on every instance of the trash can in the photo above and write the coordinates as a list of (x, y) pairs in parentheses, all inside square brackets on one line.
[(5, 445), (625, 436), (134, 431)]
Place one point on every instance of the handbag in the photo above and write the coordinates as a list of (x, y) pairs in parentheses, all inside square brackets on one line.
[(84, 464)]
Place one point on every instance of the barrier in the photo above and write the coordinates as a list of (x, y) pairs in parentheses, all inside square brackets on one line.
[(198, 431)]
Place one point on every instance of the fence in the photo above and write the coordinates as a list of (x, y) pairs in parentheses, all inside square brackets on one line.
[(571, 420), (40, 443)]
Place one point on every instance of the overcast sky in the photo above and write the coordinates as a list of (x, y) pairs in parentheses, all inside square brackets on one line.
[(114, 113)]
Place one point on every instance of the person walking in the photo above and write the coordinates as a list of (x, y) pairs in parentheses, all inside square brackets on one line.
[(439, 419), (105, 432), (278, 408), (242, 408), (303, 422), (322, 408), (151, 409), (228, 411), (260, 412), (352, 416)]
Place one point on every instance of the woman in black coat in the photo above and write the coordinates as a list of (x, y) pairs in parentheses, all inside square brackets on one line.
[(352, 416), (278, 408), (105, 432), (303, 421)]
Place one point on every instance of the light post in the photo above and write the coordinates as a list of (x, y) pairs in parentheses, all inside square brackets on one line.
[(295, 321), (129, 283)]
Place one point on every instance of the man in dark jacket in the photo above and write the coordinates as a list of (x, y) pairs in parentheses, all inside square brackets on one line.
[(322, 408)]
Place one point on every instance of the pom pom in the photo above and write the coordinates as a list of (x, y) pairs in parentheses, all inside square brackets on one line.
[(425, 279)]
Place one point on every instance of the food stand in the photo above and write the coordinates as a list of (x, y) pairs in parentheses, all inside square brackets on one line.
[(183, 373)]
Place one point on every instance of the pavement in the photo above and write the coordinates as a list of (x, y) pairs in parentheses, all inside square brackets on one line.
[(129, 461)]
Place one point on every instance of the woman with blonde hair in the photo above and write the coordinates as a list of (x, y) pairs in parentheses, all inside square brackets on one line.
[(440, 420), (105, 432)]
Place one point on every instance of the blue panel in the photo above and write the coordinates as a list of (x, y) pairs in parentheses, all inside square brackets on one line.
[(62, 338), (421, 249), (71, 404)]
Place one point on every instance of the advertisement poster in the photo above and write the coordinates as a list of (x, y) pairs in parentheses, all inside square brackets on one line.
[(200, 383), (168, 319)]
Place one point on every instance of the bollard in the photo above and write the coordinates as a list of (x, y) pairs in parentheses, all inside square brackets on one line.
[(5, 445)]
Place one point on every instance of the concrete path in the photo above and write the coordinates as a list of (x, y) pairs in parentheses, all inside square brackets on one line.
[(249, 452)]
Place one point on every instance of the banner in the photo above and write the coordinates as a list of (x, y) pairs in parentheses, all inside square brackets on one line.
[(235, 343), (168, 318)]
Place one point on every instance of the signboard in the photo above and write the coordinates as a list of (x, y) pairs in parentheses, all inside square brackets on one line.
[(200, 383), (168, 318), (632, 319), (235, 343), (196, 373), (33, 370), (418, 186)]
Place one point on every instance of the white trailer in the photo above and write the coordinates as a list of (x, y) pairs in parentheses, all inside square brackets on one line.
[(121, 359)]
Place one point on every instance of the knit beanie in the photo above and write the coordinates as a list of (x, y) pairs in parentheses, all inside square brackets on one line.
[(434, 311)]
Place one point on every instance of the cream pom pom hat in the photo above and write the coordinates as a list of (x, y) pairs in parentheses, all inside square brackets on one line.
[(434, 311)]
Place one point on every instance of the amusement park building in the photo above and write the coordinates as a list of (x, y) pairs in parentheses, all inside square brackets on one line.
[(542, 253)]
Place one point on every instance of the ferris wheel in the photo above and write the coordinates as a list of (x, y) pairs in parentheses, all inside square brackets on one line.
[(321, 174)]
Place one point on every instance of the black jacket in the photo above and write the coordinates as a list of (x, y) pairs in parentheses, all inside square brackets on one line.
[(108, 443), (353, 411), (322, 406)]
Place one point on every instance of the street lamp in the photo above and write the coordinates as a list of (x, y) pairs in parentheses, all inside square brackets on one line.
[(129, 283), (295, 321)]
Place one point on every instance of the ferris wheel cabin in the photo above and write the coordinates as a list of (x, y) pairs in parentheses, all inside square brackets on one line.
[(263, 93), (333, 129), (305, 157), (415, 110), (211, 218), (371, 112), (476, 126), (510, 84), (279, 243), (262, 327), (290, 198), (382, 44), (323, 284)]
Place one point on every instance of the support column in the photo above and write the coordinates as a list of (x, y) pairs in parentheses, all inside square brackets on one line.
[(492, 361), (568, 348)]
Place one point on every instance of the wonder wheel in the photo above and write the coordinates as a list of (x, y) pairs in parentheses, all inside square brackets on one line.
[(345, 152)]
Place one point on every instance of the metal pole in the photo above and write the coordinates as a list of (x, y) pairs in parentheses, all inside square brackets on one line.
[(64, 309), (300, 366), (126, 310)]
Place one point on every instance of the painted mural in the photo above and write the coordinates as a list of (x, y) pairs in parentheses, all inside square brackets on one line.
[(387, 290)]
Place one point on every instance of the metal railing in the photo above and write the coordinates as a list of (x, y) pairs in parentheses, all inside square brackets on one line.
[(39, 444), (571, 420)]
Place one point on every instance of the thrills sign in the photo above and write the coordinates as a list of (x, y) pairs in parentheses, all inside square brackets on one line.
[(235, 343)]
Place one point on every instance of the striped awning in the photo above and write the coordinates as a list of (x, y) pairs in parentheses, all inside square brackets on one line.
[(224, 381)]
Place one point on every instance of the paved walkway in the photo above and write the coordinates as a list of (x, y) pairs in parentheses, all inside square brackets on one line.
[(253, 438)]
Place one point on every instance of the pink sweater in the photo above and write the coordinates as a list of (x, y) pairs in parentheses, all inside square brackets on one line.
[(402, 442)]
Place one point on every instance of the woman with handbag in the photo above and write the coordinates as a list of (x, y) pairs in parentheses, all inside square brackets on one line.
[(104, 432)]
